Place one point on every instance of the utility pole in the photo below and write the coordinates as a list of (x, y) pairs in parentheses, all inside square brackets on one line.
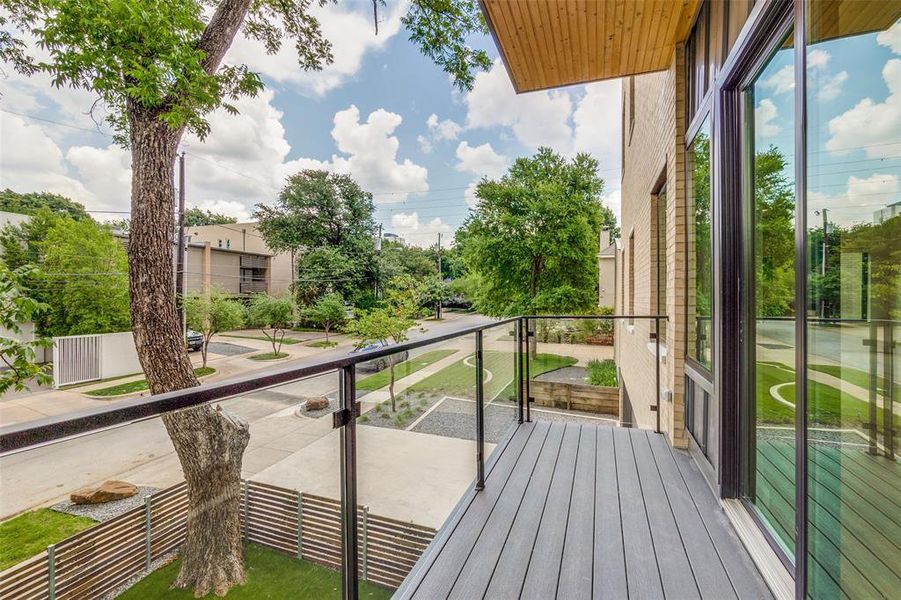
[(378, 262), (440, 278), (180, 262)]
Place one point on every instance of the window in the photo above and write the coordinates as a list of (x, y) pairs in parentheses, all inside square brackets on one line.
[(220, 243), (699, 250), (658, 256), (228, 243)]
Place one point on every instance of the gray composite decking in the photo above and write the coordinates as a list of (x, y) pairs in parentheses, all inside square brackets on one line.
[(582, 511)]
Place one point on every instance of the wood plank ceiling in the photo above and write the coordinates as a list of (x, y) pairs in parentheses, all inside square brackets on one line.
[(550, 43)]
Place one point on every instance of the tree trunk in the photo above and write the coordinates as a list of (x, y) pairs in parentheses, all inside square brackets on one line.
[(391, 388), (208, 441)]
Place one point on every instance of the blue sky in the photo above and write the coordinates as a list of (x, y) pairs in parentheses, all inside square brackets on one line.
[(854, 122), (382, 113)]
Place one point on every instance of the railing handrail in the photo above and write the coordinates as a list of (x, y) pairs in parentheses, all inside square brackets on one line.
[(21, 436)]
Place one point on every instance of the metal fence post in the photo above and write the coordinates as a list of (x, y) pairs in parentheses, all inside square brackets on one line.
[(888, 392), (530, 333), (365, 543), (246, 489), (51, 572), (480, 413), (349, 563), (147, 501), (518, 371), (874, 384), (299, 524)]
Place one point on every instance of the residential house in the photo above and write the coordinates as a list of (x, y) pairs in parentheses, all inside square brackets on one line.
[(607, 259)]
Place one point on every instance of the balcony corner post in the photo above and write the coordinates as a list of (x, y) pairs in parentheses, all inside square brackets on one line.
[(349, 521), (480, 413), (518, 372)]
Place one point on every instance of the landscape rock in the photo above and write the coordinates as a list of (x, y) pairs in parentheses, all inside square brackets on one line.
[(316, 403), (105, 492)]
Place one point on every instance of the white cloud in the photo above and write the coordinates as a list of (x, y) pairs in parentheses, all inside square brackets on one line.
[(350, 29), (780, 82), (409, 227), (831, 88), (614, 201), (106, 172), (371, 159), (536, 118), (764, 115), (480, 160), (869, 125), (817, 59), (438, 131), (891, 38), (598, 128), (32, 161), (862, 197), (425, 144)]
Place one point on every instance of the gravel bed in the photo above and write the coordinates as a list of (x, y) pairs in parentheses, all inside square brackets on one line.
[(456, 418), (566, 375), (409, 407), (107, 510)]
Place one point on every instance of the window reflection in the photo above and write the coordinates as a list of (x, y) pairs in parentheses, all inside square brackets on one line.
[(700, 250)]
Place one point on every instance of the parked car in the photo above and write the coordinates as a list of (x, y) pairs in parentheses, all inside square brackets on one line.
[(194, 340), (383, 362)]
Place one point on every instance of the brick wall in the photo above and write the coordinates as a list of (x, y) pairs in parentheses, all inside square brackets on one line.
[(654, 153)]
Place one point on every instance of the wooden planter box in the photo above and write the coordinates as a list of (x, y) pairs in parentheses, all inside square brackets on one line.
[(576, 396)]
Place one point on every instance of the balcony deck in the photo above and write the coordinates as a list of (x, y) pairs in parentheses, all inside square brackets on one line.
[(581, 511)]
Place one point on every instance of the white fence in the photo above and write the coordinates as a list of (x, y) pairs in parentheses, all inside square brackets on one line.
[(82, 358)]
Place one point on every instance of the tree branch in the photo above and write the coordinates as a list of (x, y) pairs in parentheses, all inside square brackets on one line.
[(221, 31)]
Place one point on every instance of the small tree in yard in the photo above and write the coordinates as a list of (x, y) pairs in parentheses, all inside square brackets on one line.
[(17, 356), (381, 325), (327, 312), (273, 315), (211, 314)]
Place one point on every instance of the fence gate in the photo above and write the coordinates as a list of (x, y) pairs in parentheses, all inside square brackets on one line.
[(76, 359)]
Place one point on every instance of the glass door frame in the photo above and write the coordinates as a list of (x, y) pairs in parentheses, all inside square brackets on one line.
[(766, 28)]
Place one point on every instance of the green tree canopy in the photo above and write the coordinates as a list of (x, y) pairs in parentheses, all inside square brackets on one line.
[(532, 239), (326, 219), (16, 355), (211, 314), (382, 325), (272, 315), (29, 204), (195, 216), (327, 312)]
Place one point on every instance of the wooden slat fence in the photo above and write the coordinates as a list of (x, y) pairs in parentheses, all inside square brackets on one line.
[(97, 560)]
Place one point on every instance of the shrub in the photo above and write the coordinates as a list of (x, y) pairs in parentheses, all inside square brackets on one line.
[(602, 373)]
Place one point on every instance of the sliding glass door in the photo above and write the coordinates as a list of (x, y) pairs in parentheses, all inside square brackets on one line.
[(853, 285), (769, 207)]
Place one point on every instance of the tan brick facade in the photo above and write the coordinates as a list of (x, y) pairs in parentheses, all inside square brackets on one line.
[(654, 154)]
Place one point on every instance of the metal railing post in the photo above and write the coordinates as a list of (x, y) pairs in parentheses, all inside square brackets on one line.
[(299, 524), (518, 373), (147, 556), (480, 413), (873, 344), (246, 489), (349, 545), (365, 543), (888, 392), (528, 399), (657, 368)]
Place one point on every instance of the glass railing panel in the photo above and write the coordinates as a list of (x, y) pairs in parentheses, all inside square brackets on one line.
[(416, 453), (572, 369), (107, 512)]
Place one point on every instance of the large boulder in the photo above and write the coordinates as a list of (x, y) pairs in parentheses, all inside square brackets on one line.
[(315, 403), (105, 492)]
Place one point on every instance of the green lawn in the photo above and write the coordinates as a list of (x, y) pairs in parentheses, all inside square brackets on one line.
[(271, 575), (854, 377), (828, 405), (133, 387), (401, 370), (30, 533), (458, 379), (268, 356), (286, 340), (322, 344)]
